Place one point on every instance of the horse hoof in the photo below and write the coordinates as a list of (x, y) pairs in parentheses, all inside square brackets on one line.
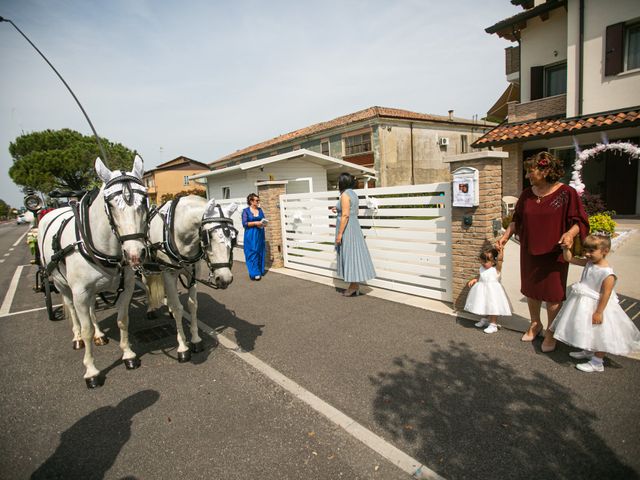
[(93, 382), (152, 315), (184, 357), (78, 344), (197, 347), (100, 341), (132, 363)]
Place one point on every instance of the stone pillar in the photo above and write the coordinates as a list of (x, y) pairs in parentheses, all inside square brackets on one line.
[(468, 241), (269, 193)]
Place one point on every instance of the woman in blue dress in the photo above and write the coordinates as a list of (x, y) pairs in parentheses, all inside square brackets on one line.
[(354, 261), (253, 222)]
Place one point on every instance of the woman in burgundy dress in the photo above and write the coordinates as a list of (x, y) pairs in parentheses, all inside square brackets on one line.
[(547, 216)]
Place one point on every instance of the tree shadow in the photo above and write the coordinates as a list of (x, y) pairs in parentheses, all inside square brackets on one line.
[(469, 415), (90, 446), (219, 318)]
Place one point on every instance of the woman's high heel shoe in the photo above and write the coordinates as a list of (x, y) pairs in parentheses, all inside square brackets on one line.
[(354, 293), (529, 337)]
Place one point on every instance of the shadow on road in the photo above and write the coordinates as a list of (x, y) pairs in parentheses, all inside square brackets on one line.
[(470, 416), (219, 318), (89, 447)]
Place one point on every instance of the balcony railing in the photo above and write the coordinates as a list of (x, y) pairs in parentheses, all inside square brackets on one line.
[(542, 108)]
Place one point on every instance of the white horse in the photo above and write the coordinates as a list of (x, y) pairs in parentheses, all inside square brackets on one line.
[(89, 249), (184, 231)]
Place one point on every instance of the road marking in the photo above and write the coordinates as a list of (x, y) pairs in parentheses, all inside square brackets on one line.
[(27, 311), (6, 254), (353, 428), (11, 249), (18, 240), (2, 260), (8, 298)]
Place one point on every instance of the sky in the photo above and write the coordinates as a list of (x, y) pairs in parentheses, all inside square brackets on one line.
[(206, 78)]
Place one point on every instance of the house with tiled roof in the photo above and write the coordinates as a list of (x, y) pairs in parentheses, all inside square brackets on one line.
[(576, 67), (390, 146), (172, 177)]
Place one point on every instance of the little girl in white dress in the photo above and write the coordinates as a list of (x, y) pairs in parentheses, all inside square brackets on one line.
[(591, 317), (487, 296)]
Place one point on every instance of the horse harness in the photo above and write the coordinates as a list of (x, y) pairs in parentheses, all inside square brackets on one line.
[(84, 240), (170, 249)]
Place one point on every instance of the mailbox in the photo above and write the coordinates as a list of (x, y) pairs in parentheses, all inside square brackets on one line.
[(466, 187)]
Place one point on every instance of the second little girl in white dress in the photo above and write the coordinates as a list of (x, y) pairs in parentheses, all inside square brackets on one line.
[(591, 317)]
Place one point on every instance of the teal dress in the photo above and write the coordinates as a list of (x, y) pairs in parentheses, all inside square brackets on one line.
[(354, 260)]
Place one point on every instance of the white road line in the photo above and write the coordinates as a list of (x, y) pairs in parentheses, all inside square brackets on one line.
[(18, 240), (11, 249), (353, 428), (6, 254), (27, 311), (2, 260), (8, 298)]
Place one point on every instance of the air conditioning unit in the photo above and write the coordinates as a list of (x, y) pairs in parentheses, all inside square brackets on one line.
[(443, 142)]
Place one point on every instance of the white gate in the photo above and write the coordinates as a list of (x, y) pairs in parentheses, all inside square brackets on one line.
[(407, 230)]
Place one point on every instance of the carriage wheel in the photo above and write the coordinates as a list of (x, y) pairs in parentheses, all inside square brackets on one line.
[(47, 298)]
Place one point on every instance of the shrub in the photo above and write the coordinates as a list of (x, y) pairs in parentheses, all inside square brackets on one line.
[(593, 203), (602, 222)]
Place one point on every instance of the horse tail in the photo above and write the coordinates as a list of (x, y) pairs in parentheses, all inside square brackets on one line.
[(155, 289)]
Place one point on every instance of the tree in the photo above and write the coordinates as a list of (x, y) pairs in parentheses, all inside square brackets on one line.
[(62, 159), (4, 209), (192, 191)]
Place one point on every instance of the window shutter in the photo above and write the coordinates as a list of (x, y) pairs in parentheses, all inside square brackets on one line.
[(537, 82), (613, 50)]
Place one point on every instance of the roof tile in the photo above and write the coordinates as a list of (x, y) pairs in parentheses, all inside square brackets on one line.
[(541, 128)]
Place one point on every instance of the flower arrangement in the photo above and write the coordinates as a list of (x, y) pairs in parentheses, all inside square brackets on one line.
[(622, 147), (602, 223)]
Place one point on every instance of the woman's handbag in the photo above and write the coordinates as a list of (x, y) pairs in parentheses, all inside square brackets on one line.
[(576, 248)]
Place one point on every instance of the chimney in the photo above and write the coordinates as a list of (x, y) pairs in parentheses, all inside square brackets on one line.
[(450, 114)]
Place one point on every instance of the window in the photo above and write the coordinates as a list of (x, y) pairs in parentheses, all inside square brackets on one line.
[(622, 48), (324, 148), (464, 144), (185, 180), (150, 182), (548, 80), (357, 144), (226, 193), (632, 47), (555, 80)]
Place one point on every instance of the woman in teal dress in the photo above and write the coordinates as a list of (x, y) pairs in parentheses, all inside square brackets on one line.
[(354, 261), (253, 222)]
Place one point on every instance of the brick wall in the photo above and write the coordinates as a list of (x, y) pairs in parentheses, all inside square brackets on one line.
[(545, 107), (467, 242), (512, 170), (269, 193)]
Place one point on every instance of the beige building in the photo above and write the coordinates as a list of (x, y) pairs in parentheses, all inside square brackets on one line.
[(403, 147), (172, 177), (576, 66)]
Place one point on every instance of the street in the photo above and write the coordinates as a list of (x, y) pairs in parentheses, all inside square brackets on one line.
[(304, 384)]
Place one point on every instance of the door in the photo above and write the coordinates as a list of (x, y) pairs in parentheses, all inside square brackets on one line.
[(621, 184)]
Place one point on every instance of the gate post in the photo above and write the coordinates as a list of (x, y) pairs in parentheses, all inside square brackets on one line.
[(269, 193), (468, 240)]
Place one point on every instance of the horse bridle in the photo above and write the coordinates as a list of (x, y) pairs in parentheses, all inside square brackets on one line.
[(229, 231), (127, 192)]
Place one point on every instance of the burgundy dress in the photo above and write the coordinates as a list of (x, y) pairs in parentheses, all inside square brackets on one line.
[(543, 271)]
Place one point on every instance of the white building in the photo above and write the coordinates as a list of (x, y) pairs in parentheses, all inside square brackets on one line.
[(577, 66)]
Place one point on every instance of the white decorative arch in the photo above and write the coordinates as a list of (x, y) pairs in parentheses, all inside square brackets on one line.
[(623, 147)]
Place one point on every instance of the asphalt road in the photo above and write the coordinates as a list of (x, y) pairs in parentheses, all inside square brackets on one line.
[(466, 404)]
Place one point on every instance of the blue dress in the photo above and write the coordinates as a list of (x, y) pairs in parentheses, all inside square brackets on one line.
[(354, 261), (254, 244)]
